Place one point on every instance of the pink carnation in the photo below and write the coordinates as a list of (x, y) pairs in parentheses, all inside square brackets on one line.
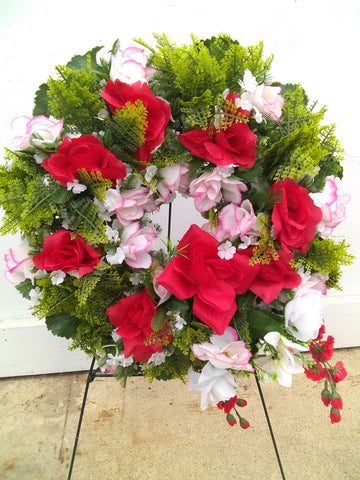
[(129, 66), (332, 206), (211, 187), (237, 220), (39, 128), (136, 244), (224, 351)]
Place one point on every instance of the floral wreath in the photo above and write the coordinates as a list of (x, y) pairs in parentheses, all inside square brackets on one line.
[(116, 135)]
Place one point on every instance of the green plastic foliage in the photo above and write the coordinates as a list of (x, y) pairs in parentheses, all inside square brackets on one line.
[(128, 126), (74, 97), (326, 256), (84, 219), (299, 145), (63, 325)]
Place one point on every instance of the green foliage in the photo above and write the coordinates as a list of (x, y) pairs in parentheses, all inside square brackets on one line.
[(262, 322), (39, 206), (300, 146), (128, 126), (41, 101), (176, 366), (198, 111), (238, 59), (297, 154), (74, 97), (80, 304), (62, 325), (326, 256), (190, 335), (186, 72), (24, 288), (96, 184), (83, 217), (91, 338), (88, 63), (192, 77), (28, 202)]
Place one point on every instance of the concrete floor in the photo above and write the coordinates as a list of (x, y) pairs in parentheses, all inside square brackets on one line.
[(157, 431)]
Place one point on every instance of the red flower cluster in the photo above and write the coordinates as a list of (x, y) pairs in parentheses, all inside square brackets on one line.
[(294, 215), (86, 152), (322, 352), (63, 252), (118, 94), (231, 404)]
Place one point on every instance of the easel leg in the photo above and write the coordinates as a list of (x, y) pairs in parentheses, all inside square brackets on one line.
[(90, 378), (270, 428)]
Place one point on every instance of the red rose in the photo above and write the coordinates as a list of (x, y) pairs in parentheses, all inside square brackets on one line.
[(133, 316), (272, 277), (294, 215), (197, 271), (117, 94), (233, 146), (84, 152), (62, 252)]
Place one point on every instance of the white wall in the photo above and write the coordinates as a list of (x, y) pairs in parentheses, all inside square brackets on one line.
[(315, 42)]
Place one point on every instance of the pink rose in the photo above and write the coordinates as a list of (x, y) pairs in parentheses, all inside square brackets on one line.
[(264, 99), (224, 351), (28, 131), (18, 264), (211, 187), (129, 66), (175, 178), (129, 205), (332, 206), (237, 220), (136, 243), (268, 101)]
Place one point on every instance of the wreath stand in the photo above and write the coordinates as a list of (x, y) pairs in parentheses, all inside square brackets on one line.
[(95, 372)]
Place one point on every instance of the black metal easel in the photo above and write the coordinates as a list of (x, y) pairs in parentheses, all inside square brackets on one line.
[(94, 373)]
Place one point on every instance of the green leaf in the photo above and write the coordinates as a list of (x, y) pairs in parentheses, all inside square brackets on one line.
[(82, 61), (63, 325), (41, 101), (176, 305), (61, 195), (24, 288), (263, 321)]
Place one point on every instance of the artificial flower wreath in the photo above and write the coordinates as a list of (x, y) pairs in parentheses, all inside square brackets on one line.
[(116, 135)]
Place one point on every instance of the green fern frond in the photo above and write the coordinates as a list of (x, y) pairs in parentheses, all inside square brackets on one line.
[(326, 256), (83, 217), (96, 184), (129, 125), (199, 110), (296, 154), (75, 98)]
